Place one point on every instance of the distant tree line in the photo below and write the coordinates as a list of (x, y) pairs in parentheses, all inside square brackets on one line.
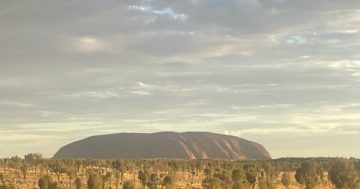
[(161, 173)]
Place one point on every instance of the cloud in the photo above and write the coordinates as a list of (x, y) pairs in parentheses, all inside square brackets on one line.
[(346, 65), (269, 70), (14, 103), (148, 9), (294, 130), (88, 44), (297, 40), (141, 93), (351, 31), (143, 85), (95, 94)]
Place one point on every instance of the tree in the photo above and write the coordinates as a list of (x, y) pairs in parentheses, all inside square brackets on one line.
[(15, 162), (46, 182), (2, 179), (53, 185), (117, 177), (308, 174), (107, 178), (57, 167), (169, 182), (214, 183), (34, 159), (119, 167), (251, 175), (24, 169), (69, 167), (71, 173), (238, 175), (285, 180), (129, 185), (358, 166), (95, 181), (344, 175), (143, 177), (239, 185), (78, 183), (239, 179), (153, 181), (226, 179)]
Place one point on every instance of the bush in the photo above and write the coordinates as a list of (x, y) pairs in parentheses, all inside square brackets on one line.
[(344, 175), (95, 181), (129, 185)]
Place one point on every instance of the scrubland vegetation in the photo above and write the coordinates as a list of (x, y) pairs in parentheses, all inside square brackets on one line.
[(34, 171)]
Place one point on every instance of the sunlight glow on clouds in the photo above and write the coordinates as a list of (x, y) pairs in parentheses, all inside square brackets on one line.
[(141, 93), (89, 44)]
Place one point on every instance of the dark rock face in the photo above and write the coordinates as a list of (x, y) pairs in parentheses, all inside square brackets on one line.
[(188, 145)]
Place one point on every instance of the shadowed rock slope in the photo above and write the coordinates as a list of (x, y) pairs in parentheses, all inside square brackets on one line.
[(188, 145)]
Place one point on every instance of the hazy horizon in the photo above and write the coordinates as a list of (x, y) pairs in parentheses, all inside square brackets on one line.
[(282, 73)]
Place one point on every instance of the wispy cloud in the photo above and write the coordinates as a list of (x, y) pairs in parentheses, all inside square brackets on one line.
[(148, 9), (16, 103), (141, 93), (95, 94)]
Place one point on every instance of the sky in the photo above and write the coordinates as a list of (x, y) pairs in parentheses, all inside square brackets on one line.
[(283, 73)]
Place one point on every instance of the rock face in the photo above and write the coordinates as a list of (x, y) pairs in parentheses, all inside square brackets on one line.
[(188, 145)]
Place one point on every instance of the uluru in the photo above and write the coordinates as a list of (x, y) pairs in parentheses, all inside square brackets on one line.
[(171, 145)]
